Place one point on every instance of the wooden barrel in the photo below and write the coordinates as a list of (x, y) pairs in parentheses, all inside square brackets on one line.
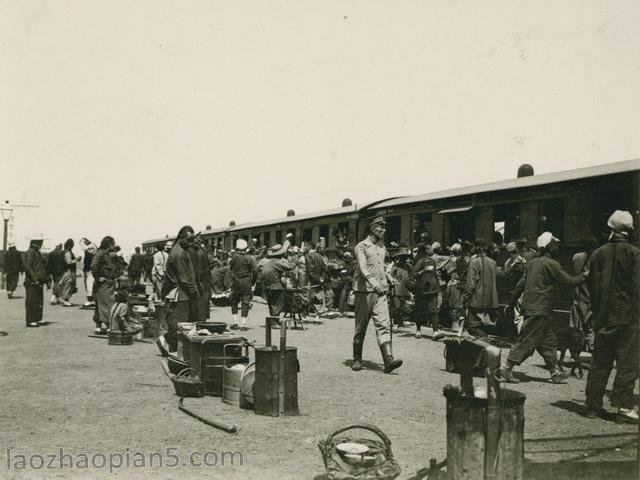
[(466, 436), (120, 338), (266, 391)]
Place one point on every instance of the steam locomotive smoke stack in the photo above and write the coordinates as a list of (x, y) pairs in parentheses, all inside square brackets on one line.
[(291, 212), (347, 202)]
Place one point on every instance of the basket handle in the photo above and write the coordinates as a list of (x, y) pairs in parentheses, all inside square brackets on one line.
[(182, 372), (363, 426)]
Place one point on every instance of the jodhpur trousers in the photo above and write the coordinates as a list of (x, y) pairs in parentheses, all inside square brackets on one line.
[(370, 306)]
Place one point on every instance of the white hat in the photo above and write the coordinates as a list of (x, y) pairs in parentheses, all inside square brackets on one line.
[(545, 239), (456, 247), (11, 244), (620, 221), (435, 245), (512, 247), (241, 244), (36, 236)]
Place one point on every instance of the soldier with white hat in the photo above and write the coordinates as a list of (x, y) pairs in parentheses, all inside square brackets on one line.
[(244, 271), (614, 287), (542, 276), (35, 278)]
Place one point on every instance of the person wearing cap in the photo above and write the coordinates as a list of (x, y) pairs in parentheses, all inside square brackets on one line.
[(614, 287), (12, 268), (35, 278), (401, 272), (426, 291), (370, 284), (180, 289), (136, 267), (272, 272), (160, 258), (542, 276), (244, 271), (480, 297), (509, 277)]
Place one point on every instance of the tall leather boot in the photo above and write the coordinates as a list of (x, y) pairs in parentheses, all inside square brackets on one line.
[(390, 364), (356, 366)]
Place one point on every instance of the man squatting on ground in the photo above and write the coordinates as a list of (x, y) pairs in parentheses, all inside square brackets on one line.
[(542, 275), (614, 286), (244, 271), (370, 284)]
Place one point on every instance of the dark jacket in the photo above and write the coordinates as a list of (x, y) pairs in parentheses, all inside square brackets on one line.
[(136, 264), (316, 267), (480, 289), (36, 273), (542, 276), (203, 268), (104, 267), (244, 270), (56, 265), (13, 261), (425, 276), (180, 273), (272, 272), (614, 284)]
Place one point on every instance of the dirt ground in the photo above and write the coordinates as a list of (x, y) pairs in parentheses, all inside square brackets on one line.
[(61, 389)]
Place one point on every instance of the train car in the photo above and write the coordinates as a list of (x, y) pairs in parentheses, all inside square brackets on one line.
[(572, 204), (328, 228), (214, 238), (150, 246)]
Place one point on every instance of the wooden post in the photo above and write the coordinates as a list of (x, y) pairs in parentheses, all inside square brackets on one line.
[(281, 369)]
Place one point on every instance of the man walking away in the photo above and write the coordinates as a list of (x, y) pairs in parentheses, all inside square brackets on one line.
[(244, 271), (12, 268), (136, 267), (56, 268), (580, 316), (614, 286), (370, 284), (35, 277), (426, 291), (481, 295), (542, 276), (159, 264)]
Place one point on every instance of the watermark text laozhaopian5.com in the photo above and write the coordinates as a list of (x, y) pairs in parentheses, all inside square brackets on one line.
[(113, 461)]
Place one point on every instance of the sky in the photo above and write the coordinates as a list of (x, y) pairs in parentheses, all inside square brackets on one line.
[(132, 119)]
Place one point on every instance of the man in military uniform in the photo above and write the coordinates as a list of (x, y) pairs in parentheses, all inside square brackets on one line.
[(370, 284)]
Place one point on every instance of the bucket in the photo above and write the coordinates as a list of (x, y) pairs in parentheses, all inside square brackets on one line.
[(231, 378)]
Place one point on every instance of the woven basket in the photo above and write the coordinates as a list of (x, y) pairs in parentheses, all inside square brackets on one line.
[(188, 386), (381, 467)]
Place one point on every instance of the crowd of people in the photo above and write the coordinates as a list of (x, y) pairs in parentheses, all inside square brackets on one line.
[(458, 286)]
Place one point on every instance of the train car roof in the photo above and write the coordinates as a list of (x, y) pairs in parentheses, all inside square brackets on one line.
[(296, 218), (158, 240), (213, 231), (534, 180)]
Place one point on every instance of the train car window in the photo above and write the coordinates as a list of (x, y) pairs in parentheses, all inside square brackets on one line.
[(307, 234), (552, 217), (394, 232), (343, 234), (461, 227), (324, 234), (279, 236), (267, 239), (422, 228), (506, 223)]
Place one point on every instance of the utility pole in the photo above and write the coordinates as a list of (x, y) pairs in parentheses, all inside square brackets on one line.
[(6, 209)]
